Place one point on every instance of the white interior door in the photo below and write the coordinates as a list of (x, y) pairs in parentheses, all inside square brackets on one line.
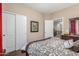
[(8, 25), (21, 31), (48, 28)]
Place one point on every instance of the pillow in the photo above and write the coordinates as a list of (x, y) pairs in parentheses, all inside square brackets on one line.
[(76, 43), (68, 43)]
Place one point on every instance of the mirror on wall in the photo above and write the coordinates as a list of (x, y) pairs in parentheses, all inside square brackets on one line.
[(57, 27)]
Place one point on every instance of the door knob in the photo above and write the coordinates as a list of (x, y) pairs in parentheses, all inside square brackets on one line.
[(3, 34)]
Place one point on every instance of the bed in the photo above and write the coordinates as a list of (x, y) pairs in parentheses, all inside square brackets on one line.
[(51, 47)]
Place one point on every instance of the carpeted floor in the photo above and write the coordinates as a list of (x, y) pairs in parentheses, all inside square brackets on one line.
[(16, 53)]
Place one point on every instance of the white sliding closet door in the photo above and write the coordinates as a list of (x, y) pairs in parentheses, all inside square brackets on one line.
[(14, 31), (21, 31), (8, 24), (48, 28)]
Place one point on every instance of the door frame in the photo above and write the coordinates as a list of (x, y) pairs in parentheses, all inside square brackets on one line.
[(62, 18)]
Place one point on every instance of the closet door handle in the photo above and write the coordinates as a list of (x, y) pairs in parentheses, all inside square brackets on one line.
[(3, 34)]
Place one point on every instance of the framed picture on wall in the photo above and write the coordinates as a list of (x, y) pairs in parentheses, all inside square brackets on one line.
[(34, 26)]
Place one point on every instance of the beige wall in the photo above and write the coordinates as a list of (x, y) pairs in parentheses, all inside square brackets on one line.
[(31, 15), (67, 13), (47, 16)]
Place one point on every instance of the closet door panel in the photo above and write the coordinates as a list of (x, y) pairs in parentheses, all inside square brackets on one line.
[(4, 41), (9, 30), (21, 32)]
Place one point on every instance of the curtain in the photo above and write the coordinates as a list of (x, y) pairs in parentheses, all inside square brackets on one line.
[(0, 29), (73, 26)]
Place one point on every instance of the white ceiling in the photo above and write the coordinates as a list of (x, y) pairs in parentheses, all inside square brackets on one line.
[(49, 7)]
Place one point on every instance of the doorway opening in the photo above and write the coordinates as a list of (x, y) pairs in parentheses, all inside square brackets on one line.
[(57, 27)]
